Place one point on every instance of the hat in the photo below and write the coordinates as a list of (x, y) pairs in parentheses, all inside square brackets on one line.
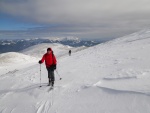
[(49, 49)]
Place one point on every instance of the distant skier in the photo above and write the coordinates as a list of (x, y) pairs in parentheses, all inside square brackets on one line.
[(50, 62), (69, 52)]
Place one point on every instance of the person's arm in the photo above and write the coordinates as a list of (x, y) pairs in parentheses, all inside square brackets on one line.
[(54, 60), (42, 60)]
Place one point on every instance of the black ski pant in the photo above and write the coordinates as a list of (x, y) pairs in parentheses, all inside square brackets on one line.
[(51, 75)]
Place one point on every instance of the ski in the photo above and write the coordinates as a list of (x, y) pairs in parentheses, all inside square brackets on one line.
[(51, 88)]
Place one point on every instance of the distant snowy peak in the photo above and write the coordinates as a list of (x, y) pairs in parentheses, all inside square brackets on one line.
[(69, 38)]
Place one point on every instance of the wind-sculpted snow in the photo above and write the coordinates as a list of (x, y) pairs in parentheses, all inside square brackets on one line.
[(115, 91), (112, 77)]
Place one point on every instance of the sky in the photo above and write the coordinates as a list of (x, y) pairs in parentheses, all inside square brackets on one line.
[(86, 19)]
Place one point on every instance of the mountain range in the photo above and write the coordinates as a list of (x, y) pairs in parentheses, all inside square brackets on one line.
[(17, 45)]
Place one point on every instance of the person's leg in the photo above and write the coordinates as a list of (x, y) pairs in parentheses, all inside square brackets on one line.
[(52, 77), (49, 77)]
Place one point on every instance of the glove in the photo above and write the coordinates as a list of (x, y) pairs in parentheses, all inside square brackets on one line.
[(40, 62), (54, 66)]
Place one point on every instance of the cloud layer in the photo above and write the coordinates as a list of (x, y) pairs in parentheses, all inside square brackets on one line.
[(104, 18)]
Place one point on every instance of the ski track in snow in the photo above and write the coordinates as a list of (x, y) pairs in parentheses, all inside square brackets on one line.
[(44, 107)]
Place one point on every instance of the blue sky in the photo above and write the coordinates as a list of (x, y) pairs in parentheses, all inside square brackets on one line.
[(8, 22), (87, 19)]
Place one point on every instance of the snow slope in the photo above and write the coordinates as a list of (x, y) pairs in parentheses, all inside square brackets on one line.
[(12, 60), (112, 77), (58, 49), (13, 57)]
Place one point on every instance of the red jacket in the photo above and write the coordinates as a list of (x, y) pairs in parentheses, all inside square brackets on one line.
[(50, 59)]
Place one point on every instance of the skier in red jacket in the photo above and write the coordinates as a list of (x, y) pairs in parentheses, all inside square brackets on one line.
[(50, 62)]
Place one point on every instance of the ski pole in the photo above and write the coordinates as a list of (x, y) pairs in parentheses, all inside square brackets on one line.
[(40, 75), (58, 75)]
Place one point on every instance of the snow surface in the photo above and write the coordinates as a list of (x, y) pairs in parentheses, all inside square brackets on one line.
[(12, 61), (58, 49), (113, 77)]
